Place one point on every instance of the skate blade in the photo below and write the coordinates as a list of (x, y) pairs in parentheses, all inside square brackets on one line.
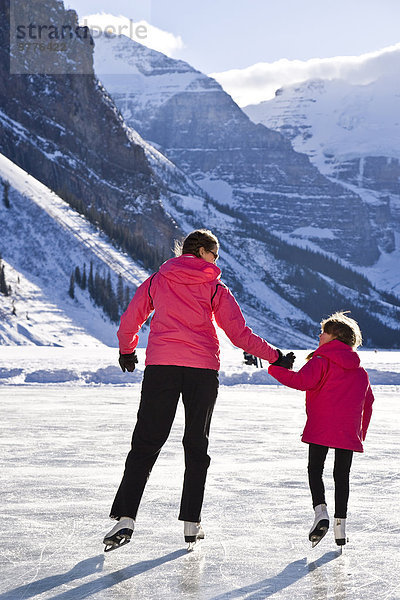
[(317, 536), (341, 541), (117, 540), (192, 546), (114, 545), (319, 530), (193, 541)]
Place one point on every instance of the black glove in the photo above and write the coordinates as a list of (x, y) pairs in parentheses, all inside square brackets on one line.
[(127, 362), (286, 361)]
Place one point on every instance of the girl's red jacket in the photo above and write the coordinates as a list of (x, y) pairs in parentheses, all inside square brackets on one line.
[(338, 396)]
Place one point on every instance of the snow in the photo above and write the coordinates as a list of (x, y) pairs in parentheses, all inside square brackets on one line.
[(217, 188), (385, 272), (24, 365), (155, 81), (334, 120), (43, 239), (64, 443), (343, 120), (347, 113), (41, 322), (313, 232), (109, 25)]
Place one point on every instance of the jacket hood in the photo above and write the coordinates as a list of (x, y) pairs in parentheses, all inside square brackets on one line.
[(189, 270), (339, 353)]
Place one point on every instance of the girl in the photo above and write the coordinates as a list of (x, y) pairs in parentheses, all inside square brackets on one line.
[(182, 357), (339, 407)]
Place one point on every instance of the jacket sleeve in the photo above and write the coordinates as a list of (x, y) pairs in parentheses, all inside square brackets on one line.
[(367, 412), (307, 378), (229, 317), (138, 311)]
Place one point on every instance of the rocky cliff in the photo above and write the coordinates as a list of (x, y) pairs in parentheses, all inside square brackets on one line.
[(65, 130), (350, 132)]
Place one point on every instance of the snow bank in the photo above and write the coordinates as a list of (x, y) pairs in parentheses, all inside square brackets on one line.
[(49, 365)]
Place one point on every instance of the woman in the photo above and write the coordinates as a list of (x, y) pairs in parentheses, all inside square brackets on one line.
[(182, 357)]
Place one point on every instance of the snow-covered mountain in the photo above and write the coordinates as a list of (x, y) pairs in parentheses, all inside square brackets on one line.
[(142, 199), (350, 131), (244, 166), (43, 240), (335, 120), (66, 131), (126, 182)]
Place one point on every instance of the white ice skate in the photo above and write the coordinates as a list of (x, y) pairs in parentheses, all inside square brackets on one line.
[(192, 532), (320, 525), (120, 534), (339, 529)]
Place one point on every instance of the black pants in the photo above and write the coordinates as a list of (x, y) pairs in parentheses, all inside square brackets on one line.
[(341, 475), (161, 388)]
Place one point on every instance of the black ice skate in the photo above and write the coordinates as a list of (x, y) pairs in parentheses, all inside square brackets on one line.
[(119, 535), (320, 525), (192, 532)]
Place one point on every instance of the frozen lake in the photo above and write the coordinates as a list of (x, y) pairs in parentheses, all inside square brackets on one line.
[(63, 449)]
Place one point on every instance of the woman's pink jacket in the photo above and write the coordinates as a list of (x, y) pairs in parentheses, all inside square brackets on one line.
[(185, 295), (338, 396)]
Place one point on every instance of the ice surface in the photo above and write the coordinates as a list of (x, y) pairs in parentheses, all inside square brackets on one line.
[(63, 449)]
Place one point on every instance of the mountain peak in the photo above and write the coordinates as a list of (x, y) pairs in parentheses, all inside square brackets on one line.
[(119, 54)]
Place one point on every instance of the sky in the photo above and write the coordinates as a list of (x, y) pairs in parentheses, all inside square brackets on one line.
[(218, 36)]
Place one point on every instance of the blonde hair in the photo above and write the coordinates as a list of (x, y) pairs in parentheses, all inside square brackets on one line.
[(200, 238), (343, 328)]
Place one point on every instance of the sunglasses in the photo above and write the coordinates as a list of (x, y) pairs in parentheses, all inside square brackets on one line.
[(215, 254)]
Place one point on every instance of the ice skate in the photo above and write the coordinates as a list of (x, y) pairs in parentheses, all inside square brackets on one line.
[(339, 529), (320, 525), (119, 535), (192, 532)]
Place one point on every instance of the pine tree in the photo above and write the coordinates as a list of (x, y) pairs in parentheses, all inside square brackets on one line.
[(6, 188), (112, 307), (4, 288), (71, 290), (128, 297), (120, 291), (97, 289), (3, 285), (78, 277), (91, 280), (84, 278), (109, 289)]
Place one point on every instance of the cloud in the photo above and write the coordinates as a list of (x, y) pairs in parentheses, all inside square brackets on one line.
[(140, 31), (260, 81)]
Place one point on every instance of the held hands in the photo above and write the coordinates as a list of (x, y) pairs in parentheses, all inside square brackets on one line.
[(285, 360), (127, 362)]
